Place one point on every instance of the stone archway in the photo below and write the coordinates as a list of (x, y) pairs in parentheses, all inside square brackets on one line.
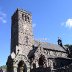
[(42, 60), (21, 67)]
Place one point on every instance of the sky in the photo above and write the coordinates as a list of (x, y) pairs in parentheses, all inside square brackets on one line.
[(50, 19)]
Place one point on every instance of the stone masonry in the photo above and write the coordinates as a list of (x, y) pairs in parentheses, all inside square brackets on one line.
[(29, 55), (21, 40)]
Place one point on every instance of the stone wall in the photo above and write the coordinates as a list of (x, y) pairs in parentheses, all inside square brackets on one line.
[(41, 69), (54, 53)]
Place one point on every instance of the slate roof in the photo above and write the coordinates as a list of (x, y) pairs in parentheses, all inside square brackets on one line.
[(50, 46)]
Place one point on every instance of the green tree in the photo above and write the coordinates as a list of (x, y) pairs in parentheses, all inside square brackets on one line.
[(69, 50)]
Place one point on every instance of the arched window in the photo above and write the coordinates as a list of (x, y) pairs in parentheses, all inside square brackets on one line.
[(26, 40), (23, 16), (34, 65)]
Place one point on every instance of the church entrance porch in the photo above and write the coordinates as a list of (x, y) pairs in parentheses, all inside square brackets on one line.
[(21, 67)]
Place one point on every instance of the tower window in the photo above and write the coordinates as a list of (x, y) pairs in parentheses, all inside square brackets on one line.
[(23, 16), (26, 38), (26, 18)]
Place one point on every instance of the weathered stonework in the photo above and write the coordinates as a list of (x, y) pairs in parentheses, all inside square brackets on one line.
[(28, 55), (21, 39)]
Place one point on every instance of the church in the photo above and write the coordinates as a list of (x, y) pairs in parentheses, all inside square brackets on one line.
[(30, 55)]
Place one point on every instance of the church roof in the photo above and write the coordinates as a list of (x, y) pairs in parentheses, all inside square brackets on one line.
[(49, 46)]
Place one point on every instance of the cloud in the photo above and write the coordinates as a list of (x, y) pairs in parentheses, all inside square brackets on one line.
[(3, 20), (33, 25), (3, 14), (67, 23), (3, 17), (42, 39)]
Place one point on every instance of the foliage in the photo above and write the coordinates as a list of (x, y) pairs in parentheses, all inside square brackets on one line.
[(69, 50), (69, 46), (3, 67)]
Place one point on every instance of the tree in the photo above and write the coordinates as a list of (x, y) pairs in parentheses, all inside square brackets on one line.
[(69, 50)]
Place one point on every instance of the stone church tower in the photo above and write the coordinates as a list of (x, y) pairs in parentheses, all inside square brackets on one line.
[(21, 42)]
